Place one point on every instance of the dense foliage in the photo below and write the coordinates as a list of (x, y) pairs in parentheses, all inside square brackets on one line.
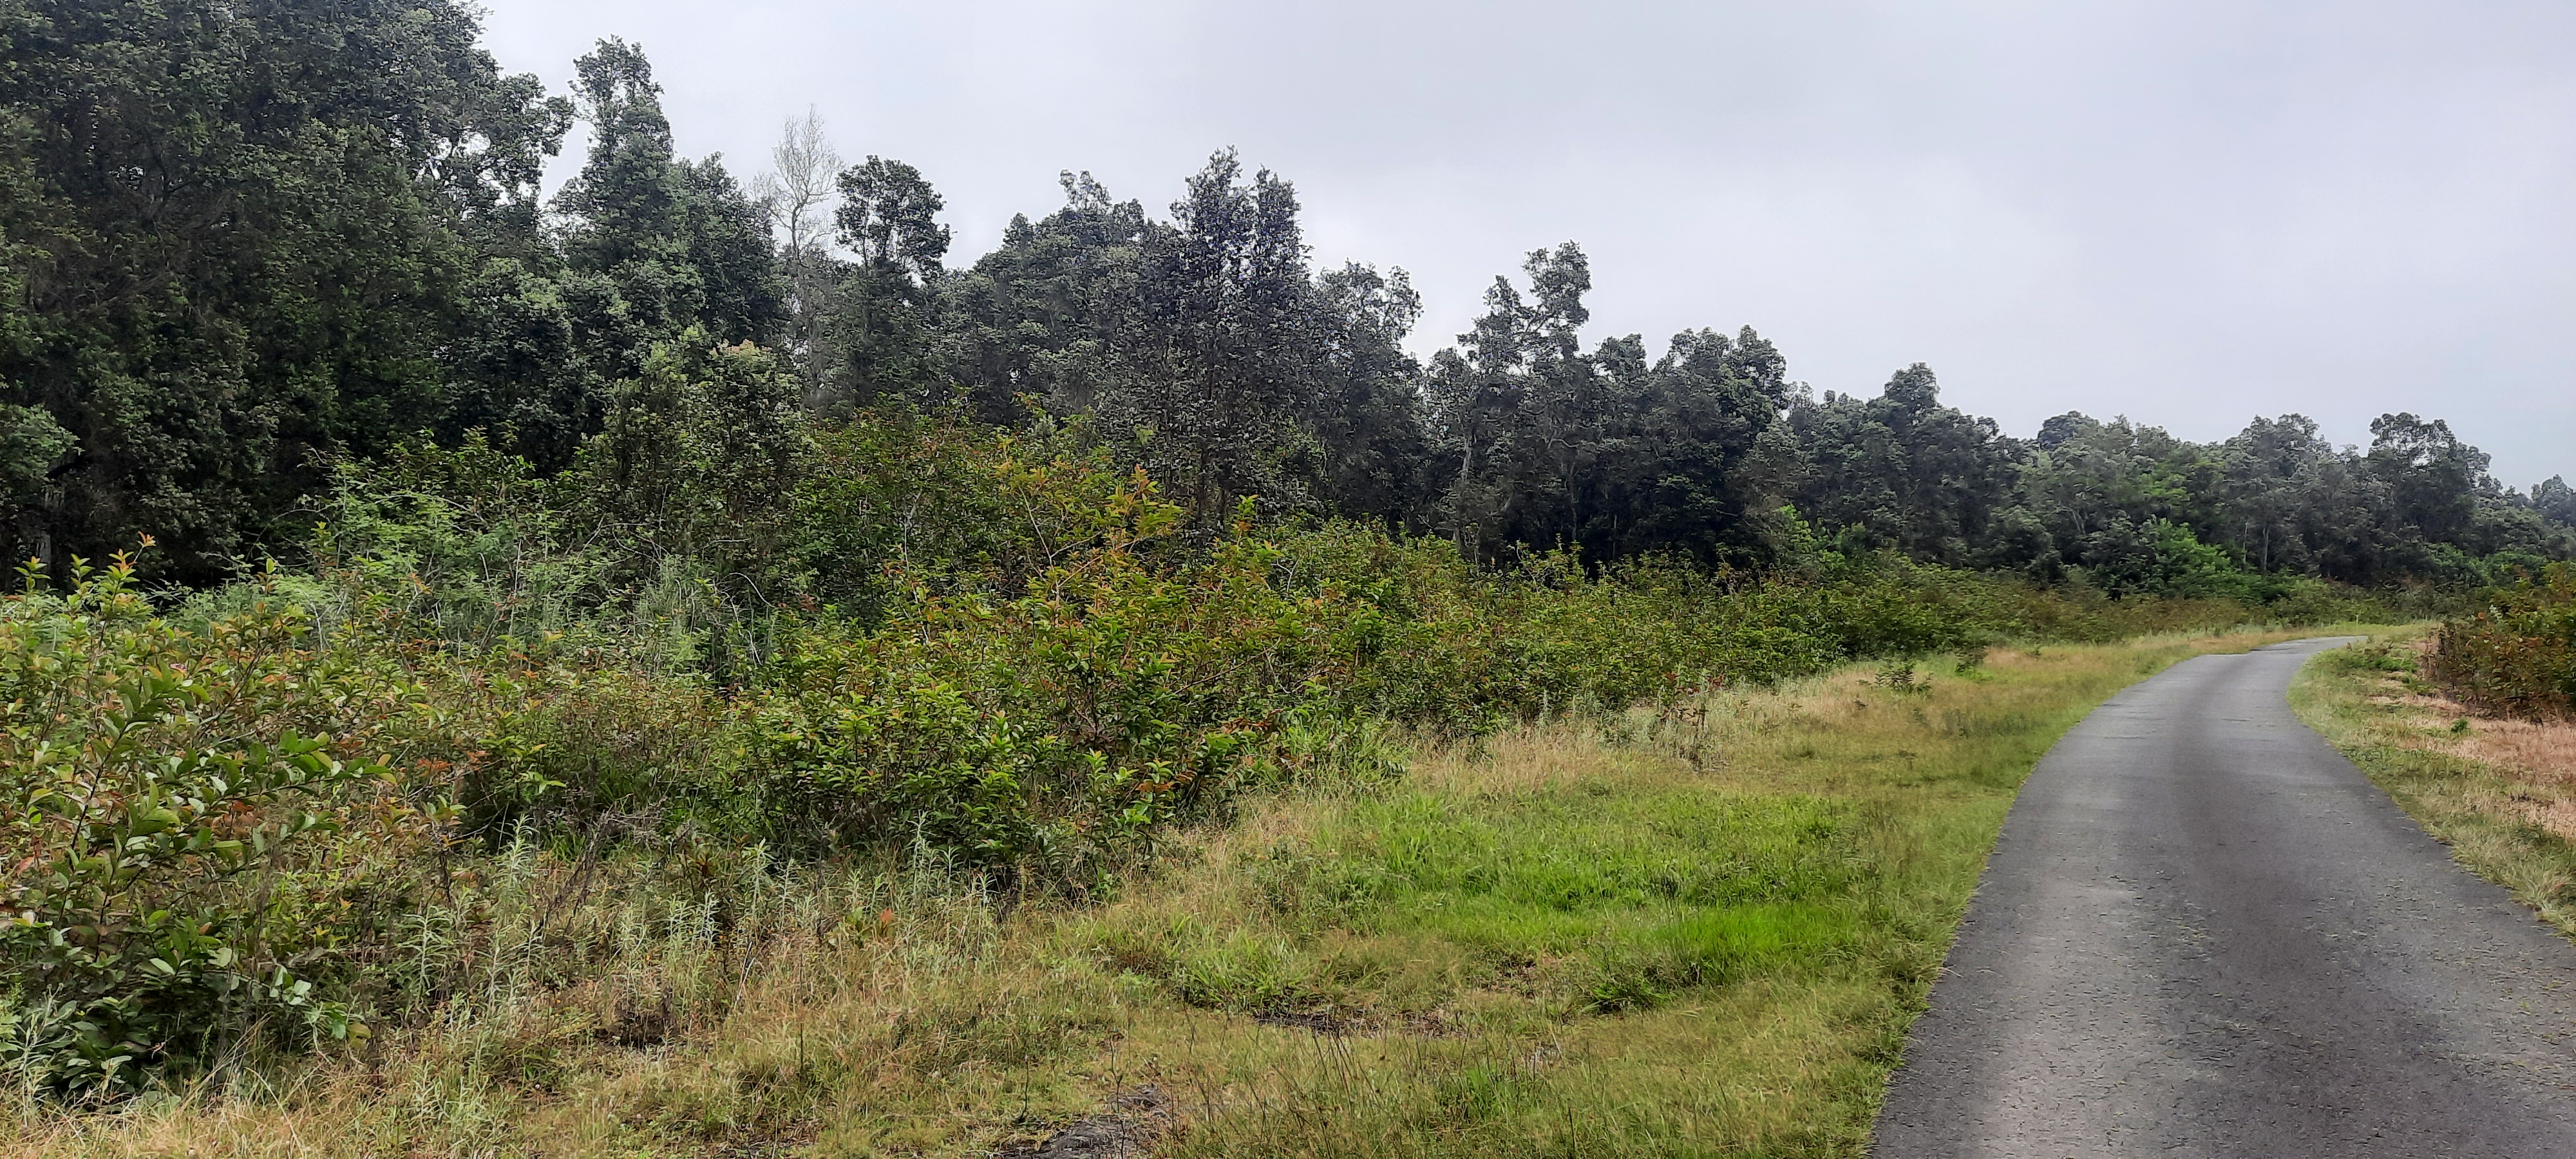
[(245, 242), (2517, 656), (226, 818)]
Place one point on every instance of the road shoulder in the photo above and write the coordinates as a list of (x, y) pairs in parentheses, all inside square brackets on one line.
[(2500, 793)]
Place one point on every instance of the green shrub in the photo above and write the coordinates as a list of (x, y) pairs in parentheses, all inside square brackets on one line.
[(165, 798), (2518, 655)]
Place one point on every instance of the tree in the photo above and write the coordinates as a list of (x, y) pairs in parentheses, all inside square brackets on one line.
[(1903, 471), (1565, 401), (1038, 317), (1188, 344), (657, 245), (1684, 473), (1216, 346), (2432, 474), (802, 181), (626, 202), (2094, 475), (2267, 481), (696, 462), (1365, 411), (677, 242), (1525, 410), (238, 239), (249, 246), (2555, 500), (1474, 401), (886, 308)]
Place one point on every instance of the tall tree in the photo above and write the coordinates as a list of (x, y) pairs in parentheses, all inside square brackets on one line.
[(238, 236), (677, 241), (797, 191), (1685, 472), (1365, 407), (656, 245), (886, 308), (2433, 476), (1473, 395), (1903, 471), (1037, 318), (2268, 491), (1215, 349), (2555, 500), (1524, 409)]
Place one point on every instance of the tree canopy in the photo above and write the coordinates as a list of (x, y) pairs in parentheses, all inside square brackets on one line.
[(249, 241)]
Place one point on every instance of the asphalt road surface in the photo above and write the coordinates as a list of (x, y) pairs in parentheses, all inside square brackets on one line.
[(2204, 933)]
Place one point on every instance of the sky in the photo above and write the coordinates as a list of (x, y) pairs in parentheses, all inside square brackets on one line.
[(2188, 213)]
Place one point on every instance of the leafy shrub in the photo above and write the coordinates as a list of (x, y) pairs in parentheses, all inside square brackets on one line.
[(220, 824), (1047, 731), (164, 791), (466, 546), (2518, 655), (2162, 557)]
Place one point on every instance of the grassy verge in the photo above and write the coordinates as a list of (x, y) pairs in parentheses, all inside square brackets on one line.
[(1700, 932), (2500, 792)]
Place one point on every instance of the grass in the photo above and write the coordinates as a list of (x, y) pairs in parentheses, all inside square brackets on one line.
[(2500, 792), (1696, 932)]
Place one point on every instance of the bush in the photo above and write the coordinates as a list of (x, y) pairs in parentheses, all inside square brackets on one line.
[(2518, 655), (1045, 733), (168, 801), (220, 823)]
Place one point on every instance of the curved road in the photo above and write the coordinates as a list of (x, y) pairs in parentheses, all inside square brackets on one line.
[(2203, 933)]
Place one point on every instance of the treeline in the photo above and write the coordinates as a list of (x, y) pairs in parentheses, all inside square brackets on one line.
[(250, 243)]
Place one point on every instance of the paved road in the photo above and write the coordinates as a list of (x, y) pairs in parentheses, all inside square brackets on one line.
[(2204, 933)]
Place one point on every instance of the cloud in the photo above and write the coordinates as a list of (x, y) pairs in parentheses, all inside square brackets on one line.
[(2189, 213)]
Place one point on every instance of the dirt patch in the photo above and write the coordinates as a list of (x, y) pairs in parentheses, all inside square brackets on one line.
[(1324, 1023), (1429, 1026), (759, 1149), (1124, 1131), (639, 1022)]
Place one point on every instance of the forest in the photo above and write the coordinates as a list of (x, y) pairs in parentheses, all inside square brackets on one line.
[(393, 531), (251, 245)]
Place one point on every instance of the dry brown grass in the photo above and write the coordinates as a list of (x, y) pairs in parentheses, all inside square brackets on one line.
[(2501, 792), (2531, 762)]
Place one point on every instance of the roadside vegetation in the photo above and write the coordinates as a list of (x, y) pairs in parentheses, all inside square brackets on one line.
[(2514, 656), (257, 820), (2467, 725), (1700, 926)]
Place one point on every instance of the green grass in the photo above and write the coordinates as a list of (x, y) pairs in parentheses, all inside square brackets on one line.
[(1641, 936)]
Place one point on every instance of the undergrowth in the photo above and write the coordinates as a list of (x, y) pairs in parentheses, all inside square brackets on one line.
[(2516, 656), (1694, 927), (255, 823)]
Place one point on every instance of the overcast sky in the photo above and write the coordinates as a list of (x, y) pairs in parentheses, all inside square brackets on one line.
[(2189, 213)]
